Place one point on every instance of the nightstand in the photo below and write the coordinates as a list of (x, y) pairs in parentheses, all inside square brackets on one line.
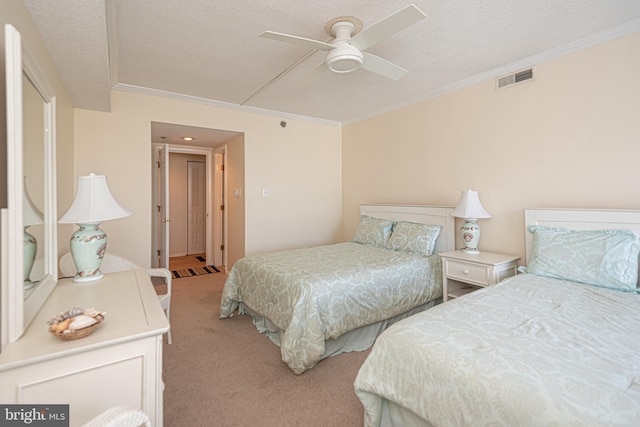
[(463, 273)]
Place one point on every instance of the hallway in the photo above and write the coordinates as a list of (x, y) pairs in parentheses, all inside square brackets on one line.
[(187, 261)]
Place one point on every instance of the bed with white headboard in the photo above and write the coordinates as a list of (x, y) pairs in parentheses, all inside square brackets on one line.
[(320, 301), (423, 214), (558, 344)]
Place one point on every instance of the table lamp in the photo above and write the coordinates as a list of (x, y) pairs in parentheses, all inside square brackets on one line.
[(470, 208), (93, 205), (31, 215)]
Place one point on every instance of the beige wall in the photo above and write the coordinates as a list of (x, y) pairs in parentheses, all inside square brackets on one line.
[(14, 13), (571, 138), (300, 164), (236, 212)]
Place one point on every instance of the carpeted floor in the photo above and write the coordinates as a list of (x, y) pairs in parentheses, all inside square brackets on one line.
[(224, 373)]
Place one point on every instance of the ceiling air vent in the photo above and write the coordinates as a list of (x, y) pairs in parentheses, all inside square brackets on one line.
[(515, 78)]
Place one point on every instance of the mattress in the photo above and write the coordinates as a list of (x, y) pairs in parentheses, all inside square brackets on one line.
[(317, 294), (528, 351)]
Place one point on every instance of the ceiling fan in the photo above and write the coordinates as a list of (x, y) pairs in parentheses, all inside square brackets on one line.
[(346, 53)]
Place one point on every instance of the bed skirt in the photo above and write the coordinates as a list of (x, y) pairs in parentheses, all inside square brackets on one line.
[(394, 415), (358, 339)]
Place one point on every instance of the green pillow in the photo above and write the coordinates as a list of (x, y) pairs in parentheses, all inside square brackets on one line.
[(414, 237), (373, 231)]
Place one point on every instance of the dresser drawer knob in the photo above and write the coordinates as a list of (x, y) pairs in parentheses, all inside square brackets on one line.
[(465, 272)]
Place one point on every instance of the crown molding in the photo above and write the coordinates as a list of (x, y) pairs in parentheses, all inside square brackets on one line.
[(221, 104)]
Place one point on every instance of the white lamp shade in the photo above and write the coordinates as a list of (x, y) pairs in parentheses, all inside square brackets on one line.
[(93, 203), (469, 206), (31, 215)]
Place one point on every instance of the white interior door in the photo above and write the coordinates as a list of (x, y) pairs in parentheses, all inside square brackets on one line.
[(219, 211), (155, 202), (162, 206), (196, 207)]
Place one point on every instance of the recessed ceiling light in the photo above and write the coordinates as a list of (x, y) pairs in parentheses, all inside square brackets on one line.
[(188, 138)]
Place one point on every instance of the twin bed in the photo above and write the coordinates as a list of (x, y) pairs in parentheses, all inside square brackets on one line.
[(558, 344), (321, 301)]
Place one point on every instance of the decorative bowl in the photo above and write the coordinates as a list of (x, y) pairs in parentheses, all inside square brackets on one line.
[(75, 323)]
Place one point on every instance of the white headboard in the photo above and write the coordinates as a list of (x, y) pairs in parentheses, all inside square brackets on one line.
[(436, 215), (580, 219)]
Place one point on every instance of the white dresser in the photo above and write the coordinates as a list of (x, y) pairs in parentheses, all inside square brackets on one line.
[(120, 363)]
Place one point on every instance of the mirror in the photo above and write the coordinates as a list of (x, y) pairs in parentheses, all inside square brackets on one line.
[(30, 225), (33, 149)]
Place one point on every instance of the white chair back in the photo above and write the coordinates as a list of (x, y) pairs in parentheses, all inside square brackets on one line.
[(120, 416)]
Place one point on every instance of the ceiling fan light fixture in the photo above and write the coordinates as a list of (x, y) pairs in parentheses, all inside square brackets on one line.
[(344, 59)]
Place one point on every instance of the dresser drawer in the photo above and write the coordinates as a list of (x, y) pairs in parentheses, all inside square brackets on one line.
[(468, 272)]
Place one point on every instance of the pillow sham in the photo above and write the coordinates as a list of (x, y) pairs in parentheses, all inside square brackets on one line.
[(373, 231), (414, 237), (605, 258)]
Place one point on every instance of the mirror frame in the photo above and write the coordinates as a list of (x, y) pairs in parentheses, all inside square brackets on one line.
[(18, 312)]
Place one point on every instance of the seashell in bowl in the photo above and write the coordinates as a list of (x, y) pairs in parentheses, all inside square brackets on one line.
[(75, 323)]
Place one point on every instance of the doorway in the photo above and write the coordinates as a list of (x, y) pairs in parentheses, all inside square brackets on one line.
[(187, 204), (170, 193), (211, 143)]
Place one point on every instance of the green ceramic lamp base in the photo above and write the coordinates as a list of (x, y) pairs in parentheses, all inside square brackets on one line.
[(30, 249), (88, 245)]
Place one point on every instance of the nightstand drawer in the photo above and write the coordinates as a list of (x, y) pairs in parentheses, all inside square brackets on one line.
[(467, 272)]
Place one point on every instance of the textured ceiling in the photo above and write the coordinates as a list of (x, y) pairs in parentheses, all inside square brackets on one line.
[(210, 49)]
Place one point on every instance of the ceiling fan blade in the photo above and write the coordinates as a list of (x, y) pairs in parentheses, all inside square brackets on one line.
[(389, 26), (301, 41), (381, 66)]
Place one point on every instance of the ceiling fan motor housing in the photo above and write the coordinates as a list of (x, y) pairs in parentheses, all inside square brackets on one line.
[(344, 59)]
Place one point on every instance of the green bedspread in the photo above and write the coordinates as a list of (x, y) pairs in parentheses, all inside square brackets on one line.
[(529, 351), (319, 293)]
